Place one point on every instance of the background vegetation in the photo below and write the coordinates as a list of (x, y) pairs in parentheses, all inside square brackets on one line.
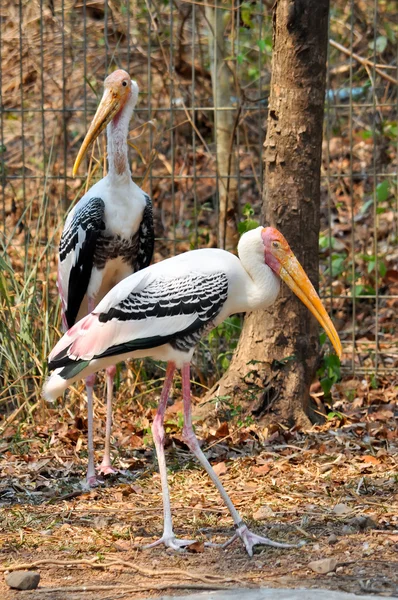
[(54, 59)]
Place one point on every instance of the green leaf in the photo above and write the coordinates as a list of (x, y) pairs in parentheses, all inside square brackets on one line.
[(382, 268), (247, 210), (247, 225), (261, 44), (246, 14), (383, 190), (381, 43)]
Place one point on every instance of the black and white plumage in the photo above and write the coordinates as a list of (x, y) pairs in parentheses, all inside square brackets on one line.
[(108, 235), (163, 311)]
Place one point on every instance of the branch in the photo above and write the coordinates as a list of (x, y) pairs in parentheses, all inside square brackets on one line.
[(93, 563), (363, 61)]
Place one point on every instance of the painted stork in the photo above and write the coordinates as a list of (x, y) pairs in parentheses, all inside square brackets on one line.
[(163, 311), (107, 236)]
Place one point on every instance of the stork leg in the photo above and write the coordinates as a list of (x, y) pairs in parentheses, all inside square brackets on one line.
[(168, 538), (105, 467), (91, 477), (249, 538)]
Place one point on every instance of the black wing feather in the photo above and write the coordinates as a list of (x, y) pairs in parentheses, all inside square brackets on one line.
[(90, 219), (200, 295), (146, 237)]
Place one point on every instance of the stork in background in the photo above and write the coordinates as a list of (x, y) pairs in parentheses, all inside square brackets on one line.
[(107, 236), (163, 311)]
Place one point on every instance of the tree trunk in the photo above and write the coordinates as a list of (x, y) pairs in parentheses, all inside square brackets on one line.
[(278, 352), (224, 126)]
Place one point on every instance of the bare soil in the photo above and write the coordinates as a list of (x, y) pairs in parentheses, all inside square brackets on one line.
[(334, 487)]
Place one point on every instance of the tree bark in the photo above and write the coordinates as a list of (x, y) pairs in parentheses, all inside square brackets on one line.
[(278, 352), (224, 126)]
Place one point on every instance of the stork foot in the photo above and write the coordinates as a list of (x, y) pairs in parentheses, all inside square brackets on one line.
[(251, 539), (105, 469), (91, 482), (170, 541)]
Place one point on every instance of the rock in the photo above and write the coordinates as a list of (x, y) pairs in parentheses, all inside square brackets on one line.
[(332, 539), (263, 513), (324, 565), (362, 522), (23, 580), (347, 530)]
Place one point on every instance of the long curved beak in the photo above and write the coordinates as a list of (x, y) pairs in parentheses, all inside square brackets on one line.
[(107, 109), (296, 278)]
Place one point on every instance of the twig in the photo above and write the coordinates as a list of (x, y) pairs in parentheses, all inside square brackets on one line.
[(363, 61), (113, 562)]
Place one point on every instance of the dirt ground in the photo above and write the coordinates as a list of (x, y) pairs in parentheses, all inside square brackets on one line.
[(334, 487)]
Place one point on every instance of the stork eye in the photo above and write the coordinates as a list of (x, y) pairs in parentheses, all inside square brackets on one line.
[(124, 83), (275, 244)]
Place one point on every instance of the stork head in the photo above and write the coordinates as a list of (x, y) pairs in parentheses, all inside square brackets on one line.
[(279, 257), (119, 90)]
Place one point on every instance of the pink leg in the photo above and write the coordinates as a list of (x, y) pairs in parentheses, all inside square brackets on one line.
[(105, 467), (249, 539), (168, 538), (91, 477)]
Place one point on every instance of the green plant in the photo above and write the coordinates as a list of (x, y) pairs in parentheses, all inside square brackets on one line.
[(330, 372), (248, 223)]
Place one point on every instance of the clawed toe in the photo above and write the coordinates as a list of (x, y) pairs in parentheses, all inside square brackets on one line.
[(90, 482), (172, 542), (251, 539), (106, 470)]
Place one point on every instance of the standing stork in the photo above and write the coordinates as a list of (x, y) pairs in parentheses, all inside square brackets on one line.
[(107, 236), (163, 311)]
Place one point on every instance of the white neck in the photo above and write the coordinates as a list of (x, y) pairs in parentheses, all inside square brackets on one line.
[(263, 284), (117, 132)]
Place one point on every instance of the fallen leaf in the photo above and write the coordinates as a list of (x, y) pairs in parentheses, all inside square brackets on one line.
[(135, 441), (222, 431), (341, 509), (196, 547), (371, 459), (175, 408), (122, 545), (220, 468), (324, 565), (262, 470)]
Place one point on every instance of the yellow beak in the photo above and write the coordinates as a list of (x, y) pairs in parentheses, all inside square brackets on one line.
[(109, 106), (294, 275)]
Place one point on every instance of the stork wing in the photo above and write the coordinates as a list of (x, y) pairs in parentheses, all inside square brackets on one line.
[(76, 253), (146, 237), (156, 312)]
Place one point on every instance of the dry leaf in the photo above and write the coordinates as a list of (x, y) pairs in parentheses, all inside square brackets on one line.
[(135, 441), (222, 431), (196, 547), (371, 459), (220, 468), (341, 509), (262, 470)]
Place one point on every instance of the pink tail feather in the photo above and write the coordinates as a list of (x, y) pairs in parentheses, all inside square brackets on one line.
[(75, 337)]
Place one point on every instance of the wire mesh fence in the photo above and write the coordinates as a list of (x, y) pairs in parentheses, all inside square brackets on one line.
[(54, 58)]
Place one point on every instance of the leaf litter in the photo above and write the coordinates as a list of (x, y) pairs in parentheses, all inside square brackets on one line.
[(333, 487)]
